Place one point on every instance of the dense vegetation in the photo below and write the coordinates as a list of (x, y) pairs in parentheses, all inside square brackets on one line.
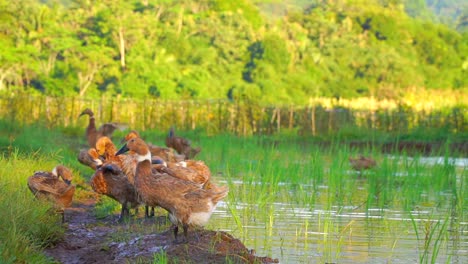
[(176, 49)]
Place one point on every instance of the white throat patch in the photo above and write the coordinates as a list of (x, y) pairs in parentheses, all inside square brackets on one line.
[(54, 172), (144, 157)]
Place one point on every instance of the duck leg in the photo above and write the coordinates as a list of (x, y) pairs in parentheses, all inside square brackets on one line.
[(176, 230), (149, 214), (186, 233), (123, 212)]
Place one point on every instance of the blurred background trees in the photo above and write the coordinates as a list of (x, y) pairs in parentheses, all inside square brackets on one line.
[(274, 52)]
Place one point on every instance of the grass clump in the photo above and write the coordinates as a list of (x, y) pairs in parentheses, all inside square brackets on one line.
[(26, 224)]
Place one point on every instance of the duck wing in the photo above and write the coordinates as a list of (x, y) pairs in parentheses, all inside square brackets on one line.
[(46, 184), (196, 172)]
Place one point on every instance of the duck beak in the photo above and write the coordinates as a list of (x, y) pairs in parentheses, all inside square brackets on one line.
[(122, 150), (68, 182)]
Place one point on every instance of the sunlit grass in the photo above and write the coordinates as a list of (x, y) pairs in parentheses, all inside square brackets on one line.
[(277, 179), (308, 176), (27, 225)]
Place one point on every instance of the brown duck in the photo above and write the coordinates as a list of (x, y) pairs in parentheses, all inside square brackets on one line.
[(93, 134), (86, 158), (55, 186), (127, 163), (194, 171), (167, 154), (362, 163), (181, 145), (188, 204), (110, 180)]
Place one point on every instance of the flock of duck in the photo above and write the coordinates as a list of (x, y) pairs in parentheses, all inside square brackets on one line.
[(139, 174), (144, 174)]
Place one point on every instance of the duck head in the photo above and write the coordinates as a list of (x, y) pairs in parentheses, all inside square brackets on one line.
[(130, 135), (92, 152), (171, 132), (137, 146), (87, 111), (64, 172), (103, 145)]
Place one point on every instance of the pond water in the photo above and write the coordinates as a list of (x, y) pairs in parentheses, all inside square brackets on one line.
[(324, 230)]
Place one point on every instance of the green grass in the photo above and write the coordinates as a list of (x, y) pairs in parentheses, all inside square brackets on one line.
[(297, 171), (26, 224)]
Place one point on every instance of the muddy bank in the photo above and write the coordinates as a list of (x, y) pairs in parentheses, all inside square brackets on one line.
[(90, 240)]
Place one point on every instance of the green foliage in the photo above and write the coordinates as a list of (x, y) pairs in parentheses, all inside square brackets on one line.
[(274, 53)]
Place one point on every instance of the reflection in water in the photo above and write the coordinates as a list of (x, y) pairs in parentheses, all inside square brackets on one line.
[(300, 232)]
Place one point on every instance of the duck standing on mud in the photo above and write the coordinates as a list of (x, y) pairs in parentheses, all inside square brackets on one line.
[(115, 178), (109, 180), (186, 202)]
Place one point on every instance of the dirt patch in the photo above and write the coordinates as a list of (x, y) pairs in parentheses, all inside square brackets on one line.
[(90, 240)]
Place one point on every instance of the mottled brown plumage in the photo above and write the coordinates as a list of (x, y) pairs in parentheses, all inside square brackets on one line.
[(187, 203), (127, 163), (190, 170), (106, 148), (362, 163), (54, 186), (86, 159), (93, 134), (167, 154), (181, 145), (110, 180)]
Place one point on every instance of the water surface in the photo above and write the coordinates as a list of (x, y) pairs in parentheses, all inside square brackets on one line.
[(307, 224)]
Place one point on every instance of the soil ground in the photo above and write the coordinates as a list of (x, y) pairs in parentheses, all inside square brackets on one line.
[(139, 240)]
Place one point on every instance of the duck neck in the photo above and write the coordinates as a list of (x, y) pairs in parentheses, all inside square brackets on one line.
[(92, 123), (144, 165), (143, 169)]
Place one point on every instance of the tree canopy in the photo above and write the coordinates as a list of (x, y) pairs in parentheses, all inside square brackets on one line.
[(218, 49)]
